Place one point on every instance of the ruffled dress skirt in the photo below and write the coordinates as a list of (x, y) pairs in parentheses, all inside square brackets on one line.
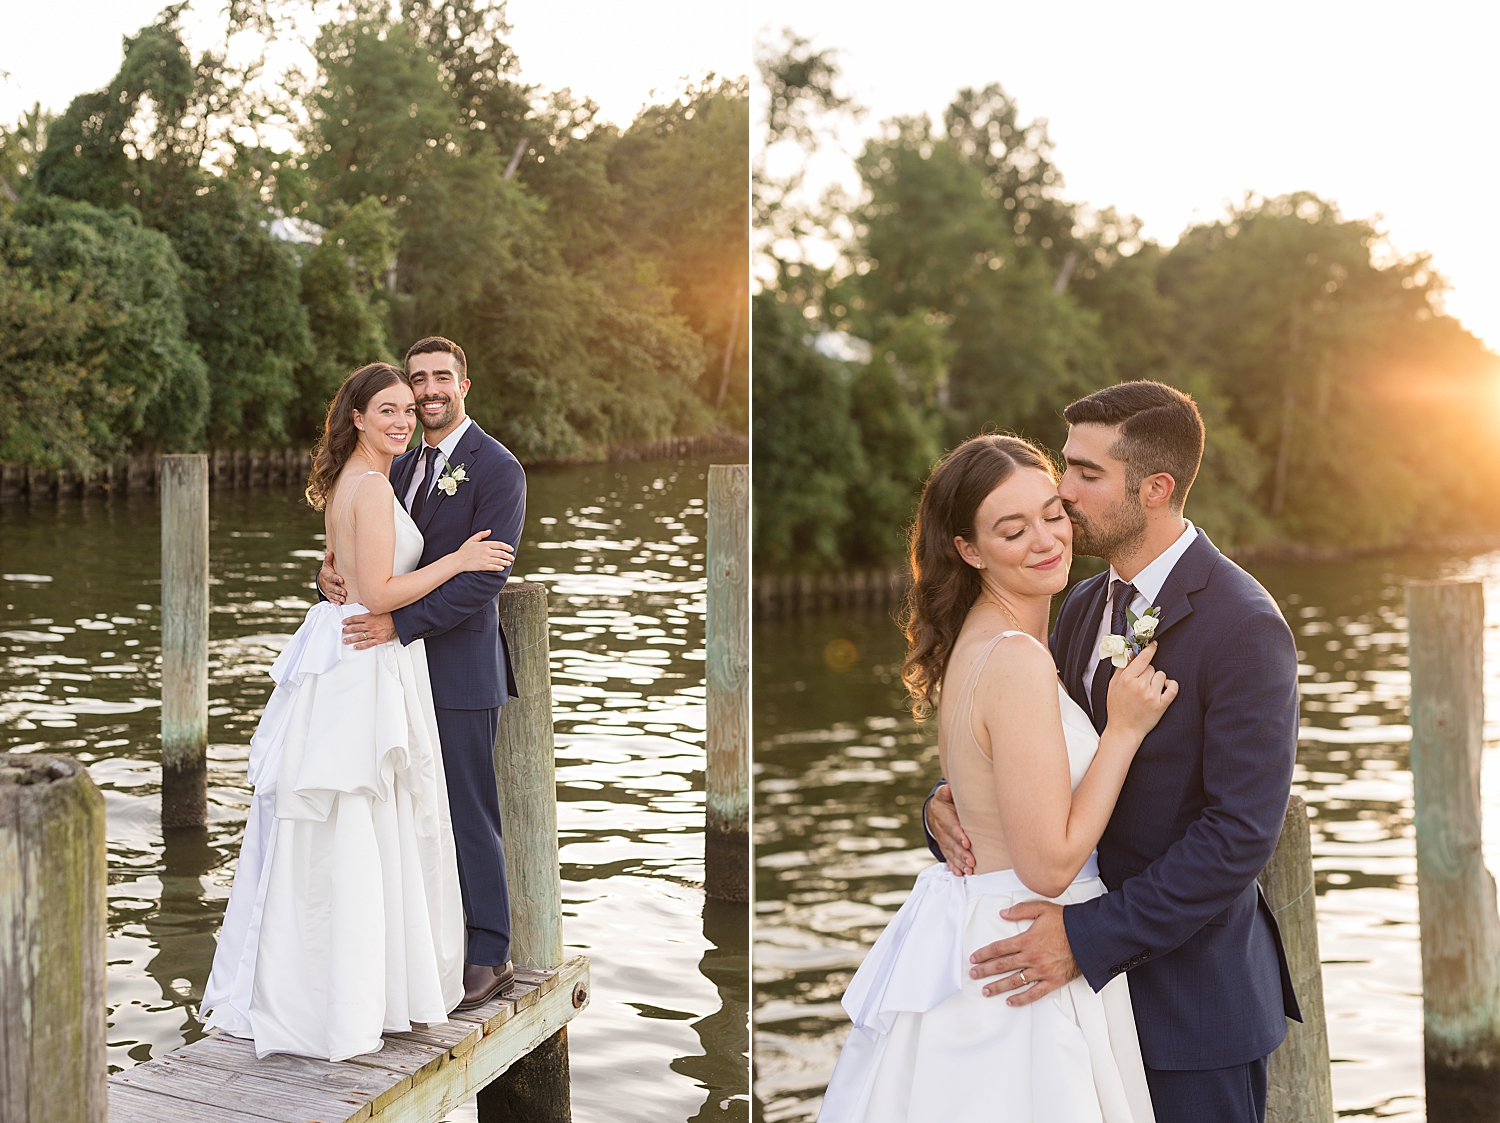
[(345, 918), (928, 1047)]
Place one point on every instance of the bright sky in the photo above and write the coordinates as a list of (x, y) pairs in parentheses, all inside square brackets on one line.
[(1170, 110), (616, 53)]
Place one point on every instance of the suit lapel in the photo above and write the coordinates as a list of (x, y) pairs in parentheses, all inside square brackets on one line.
[(1188, 576), (401, 472), (1081, 645), (463, 454)]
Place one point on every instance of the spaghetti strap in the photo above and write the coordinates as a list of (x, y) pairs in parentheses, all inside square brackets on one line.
[(965, 706)]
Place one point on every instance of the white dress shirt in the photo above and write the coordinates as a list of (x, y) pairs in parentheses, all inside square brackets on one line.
[(445, 452), (1147, 584)]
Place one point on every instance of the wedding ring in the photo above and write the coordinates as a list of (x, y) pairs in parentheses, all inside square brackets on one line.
[(1023, 974)]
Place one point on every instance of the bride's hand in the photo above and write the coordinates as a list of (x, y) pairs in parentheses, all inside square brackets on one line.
[(1139, 694), (476, 554)]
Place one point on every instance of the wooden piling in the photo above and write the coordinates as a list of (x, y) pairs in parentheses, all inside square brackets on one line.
[(1460, 929), (1300, 1082), (537, 1087), (52, 915), (184, 640), (726, 841)]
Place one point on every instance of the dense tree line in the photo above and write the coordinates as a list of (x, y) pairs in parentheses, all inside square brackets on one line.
[(171, 278), (1343, 407)]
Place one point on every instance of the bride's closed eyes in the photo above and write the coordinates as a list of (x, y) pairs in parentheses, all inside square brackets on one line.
[(1048, 519)]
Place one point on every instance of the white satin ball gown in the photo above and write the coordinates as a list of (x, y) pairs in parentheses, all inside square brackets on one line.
[(927, 1045), (345, 919)]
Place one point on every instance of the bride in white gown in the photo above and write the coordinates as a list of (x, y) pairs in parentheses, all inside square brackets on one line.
[(1034, 786), (345, 919)]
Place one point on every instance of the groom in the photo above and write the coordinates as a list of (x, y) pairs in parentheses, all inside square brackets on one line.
[(459, 481), (1202, 806)]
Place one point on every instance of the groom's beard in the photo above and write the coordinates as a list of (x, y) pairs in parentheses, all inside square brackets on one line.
[(441, 420), (1120, 532)]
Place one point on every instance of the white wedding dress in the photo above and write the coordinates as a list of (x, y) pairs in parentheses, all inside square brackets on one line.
[(927, 1045), (345, 919)]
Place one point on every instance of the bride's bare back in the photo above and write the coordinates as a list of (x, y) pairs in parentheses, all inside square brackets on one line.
[(964, 743)]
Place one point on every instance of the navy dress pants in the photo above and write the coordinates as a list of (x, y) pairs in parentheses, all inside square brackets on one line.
[(468, 744), (1225, 1095)]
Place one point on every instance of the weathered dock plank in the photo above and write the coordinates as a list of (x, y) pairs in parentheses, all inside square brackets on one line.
[(416, 1077)]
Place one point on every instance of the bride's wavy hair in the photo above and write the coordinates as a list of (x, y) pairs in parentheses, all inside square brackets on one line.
[(944, 586), (340, 436)]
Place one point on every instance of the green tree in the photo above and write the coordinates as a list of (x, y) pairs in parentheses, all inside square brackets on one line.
[(682, 168), (805, 446), (1313, 346), (573, 345), (139, 377), (934, 236), (141, 143), (343, 290), (894, 404)]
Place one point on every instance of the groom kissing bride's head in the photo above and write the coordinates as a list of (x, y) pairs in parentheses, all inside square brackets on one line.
[(1132, 453)]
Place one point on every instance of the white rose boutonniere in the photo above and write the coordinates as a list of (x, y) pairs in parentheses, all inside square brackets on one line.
[(448, 482), (1113, 648), (1140, 630)]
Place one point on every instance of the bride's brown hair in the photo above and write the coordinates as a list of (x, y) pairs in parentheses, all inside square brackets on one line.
[(340, 436), (944, 586)]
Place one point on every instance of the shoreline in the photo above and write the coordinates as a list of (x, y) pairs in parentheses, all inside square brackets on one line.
[(1293, 553), (782, 595), (288, 467)]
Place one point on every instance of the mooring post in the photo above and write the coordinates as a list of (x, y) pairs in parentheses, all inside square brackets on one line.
[(536, 1088), (1460, 929), (726, 841), (184, 640), (1300, 1081), (52, 915)]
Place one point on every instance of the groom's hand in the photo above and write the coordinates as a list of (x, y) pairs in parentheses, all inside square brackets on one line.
[(941, 819), (1041, 954), (330, 582), (369, 629)]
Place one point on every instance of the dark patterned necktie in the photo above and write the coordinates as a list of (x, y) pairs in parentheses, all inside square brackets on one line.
[(429, 456), (1121, 594)]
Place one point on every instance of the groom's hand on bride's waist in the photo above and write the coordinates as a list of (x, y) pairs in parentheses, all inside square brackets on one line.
[(369, 629), (330, 582), (940, 817), (1038, 960)]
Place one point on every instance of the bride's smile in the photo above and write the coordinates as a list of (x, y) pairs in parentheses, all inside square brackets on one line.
[(388, 422)]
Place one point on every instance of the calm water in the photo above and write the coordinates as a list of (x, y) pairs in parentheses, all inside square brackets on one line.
[(841, 773), (621, 551)]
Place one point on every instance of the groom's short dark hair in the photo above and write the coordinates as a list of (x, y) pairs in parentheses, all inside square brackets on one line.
[(1160, 431), (434, 343)]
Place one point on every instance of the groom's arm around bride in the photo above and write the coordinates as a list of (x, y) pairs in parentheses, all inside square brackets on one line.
[(1201, 809)]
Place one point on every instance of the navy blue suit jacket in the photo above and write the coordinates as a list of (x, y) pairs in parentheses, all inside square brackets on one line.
[(1197, 820), (467, 655)]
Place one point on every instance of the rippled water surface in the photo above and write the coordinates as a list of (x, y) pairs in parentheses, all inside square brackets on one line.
[(621, 551), (842, 772)]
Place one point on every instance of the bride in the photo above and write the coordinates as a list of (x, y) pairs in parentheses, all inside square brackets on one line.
[(1034, 786), (345, 919)]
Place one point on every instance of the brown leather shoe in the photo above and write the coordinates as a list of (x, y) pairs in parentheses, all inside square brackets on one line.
[(481, 984)]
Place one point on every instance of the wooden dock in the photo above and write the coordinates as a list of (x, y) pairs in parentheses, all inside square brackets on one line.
[(416, 1078)]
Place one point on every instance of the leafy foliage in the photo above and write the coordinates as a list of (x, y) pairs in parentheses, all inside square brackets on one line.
[(589, 272), (1343, 407), (102, 345)]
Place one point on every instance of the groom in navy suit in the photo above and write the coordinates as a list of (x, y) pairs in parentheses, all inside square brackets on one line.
[(1202, 807), (457, 482)]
